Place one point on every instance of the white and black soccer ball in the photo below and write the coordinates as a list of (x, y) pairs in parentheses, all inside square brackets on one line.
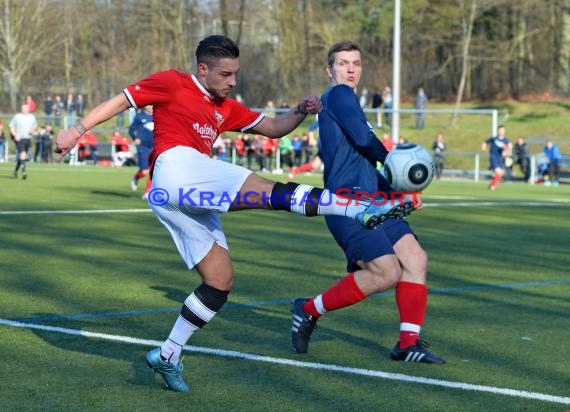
[(409, 168)]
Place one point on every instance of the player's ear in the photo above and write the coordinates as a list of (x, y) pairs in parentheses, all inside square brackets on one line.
[(329, 72), (202, 68)]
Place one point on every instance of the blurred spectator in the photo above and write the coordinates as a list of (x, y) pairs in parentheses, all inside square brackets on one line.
[(439, 153), (44, 144), (552, 152), (219, 149), (387, 98), (420, 106), (70, 109), (249, 150), (121, 153), (270, 109), (239, 144), (268, 152), (57, 110), (509, 162), (31, 103), (522, 154), (38, 144), (377, 104), (47, 144), (285, 152), (48, 108), (376, 99), (306, 148), (87, 147), (79, 106), (257, 143), (296, 147)]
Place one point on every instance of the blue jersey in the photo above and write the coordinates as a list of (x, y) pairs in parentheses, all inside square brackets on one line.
[(143, 128), (497, 145), (347, 144)]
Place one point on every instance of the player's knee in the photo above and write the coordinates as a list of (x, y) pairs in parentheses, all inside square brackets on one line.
[(385, 276), (421, 261), (415, 266)]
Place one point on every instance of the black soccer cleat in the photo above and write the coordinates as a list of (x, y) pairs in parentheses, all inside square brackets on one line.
[(416, 353), (302, 326)]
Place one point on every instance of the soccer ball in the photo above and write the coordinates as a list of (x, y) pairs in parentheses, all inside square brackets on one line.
[(409, 168)]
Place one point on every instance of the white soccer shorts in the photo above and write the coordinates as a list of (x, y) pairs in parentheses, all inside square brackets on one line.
[(189, 191)]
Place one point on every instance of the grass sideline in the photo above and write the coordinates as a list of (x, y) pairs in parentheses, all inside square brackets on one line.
[(498, 308)]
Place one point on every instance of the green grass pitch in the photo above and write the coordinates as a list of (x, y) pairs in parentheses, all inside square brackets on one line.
[(498, 309)]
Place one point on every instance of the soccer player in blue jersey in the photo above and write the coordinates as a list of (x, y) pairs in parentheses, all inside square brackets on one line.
[(378, 259), (142, 133), (497, 144), (190, 112)]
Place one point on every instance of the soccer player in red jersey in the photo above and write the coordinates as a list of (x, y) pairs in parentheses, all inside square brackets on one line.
[(190, 189), (389, 256)]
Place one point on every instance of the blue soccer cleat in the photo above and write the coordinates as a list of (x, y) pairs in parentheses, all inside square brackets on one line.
[(302, 326), (415, 353), (172, 374), (376, 214)]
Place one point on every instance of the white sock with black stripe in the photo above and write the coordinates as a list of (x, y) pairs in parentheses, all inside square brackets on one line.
[(198, 309), (307, 200)]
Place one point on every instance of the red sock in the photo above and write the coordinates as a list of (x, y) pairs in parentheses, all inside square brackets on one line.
[(496, 179), (307, 167), (345, 293), (139, 175), (148, 185), (411, 299)]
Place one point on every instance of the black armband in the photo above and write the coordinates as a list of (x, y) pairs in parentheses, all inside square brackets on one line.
[(298, 110)]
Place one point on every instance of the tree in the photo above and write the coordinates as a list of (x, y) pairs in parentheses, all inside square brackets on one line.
[(23, 40), (467, 26)]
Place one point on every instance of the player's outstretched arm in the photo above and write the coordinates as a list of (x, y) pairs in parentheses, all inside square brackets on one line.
[(282, 125), (67, 139)]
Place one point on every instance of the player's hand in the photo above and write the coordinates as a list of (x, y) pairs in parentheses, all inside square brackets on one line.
[(311, 105), (66, 141)]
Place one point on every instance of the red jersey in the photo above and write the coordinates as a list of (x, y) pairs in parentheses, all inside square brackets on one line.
[(240, 146), (120, 142), (185, 113)]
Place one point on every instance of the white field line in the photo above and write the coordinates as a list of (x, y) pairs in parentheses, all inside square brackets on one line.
[(311, 365)]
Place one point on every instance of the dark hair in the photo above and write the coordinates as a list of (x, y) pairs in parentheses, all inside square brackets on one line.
[(216, 47), (345, 45)]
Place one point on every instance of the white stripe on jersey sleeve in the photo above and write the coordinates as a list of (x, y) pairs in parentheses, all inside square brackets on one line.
[(130, 98), (254, 123)]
